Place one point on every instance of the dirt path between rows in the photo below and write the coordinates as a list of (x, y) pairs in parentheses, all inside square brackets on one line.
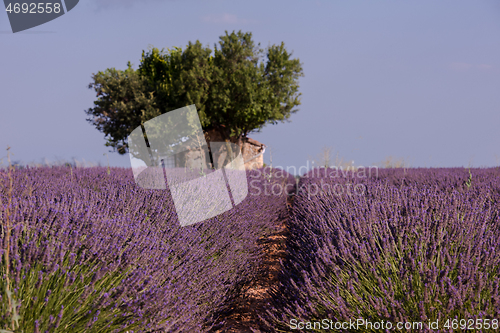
[(243, 316)]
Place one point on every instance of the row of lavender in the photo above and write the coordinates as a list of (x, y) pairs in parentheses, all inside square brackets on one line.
[(408, 246), (92, 252)]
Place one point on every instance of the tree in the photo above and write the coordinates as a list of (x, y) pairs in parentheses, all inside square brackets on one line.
[(248, 93), (124, 101), (238, 89)]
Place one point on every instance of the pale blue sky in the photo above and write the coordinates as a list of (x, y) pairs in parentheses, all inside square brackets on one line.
[(412, 79)]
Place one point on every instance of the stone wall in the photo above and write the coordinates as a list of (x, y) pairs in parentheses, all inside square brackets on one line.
[(196, 159), (250, 149)]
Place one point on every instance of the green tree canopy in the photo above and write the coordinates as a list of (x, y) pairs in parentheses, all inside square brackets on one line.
[(238, 88)]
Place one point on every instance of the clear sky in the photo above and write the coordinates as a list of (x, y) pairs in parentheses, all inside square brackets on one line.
[(411, 79)]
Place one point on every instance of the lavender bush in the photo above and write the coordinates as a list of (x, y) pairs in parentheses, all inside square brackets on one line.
[(89, 251), (417, 245)]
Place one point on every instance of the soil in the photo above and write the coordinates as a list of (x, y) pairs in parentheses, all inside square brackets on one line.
[(243, 316)]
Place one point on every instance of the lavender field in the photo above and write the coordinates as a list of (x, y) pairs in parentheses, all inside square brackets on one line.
[(418, 245), (86, 250), (92, 252)]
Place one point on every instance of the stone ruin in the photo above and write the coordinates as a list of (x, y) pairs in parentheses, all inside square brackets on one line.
[(252, 152)]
